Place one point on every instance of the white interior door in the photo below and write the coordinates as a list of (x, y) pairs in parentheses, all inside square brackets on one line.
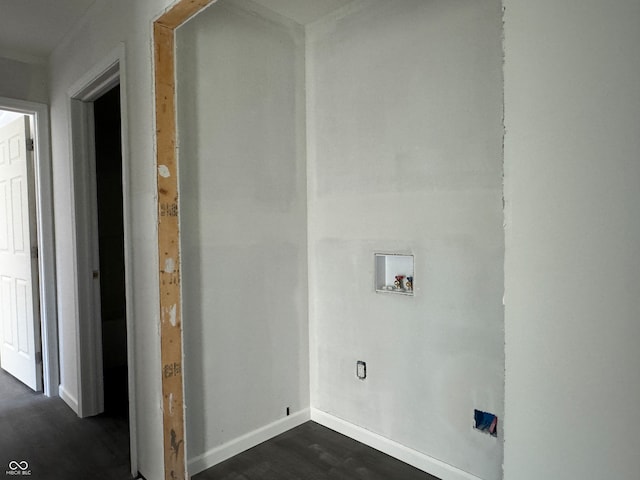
[(19, 311)]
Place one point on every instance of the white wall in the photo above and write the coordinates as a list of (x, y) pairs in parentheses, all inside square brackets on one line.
[(23, 81), (106, 25), (405, 155), (425, 177), (243, 221), (572, 273)]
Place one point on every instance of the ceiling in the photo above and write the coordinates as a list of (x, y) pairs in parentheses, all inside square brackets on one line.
[(303, 11), (30, 29)]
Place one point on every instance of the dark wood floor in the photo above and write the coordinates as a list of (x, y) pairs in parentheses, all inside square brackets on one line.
[(57, 444), (312, 452), (60, 446)]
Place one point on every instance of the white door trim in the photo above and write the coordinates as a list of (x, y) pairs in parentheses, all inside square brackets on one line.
[(46, 242), (100, 79), (89, 331)]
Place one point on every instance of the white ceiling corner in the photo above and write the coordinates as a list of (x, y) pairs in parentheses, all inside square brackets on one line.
[(33, 28), (303, 11)]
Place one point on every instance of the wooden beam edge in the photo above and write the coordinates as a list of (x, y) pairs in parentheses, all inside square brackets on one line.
[(171, 349), (182, 11)]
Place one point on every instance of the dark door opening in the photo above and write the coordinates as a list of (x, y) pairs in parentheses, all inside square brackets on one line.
[(108, 145)]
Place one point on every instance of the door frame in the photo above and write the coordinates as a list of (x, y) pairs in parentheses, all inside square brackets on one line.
[(109, 73), (166, 150), (46, 239)]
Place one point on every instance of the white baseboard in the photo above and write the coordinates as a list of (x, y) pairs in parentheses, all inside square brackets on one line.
[(247, 441), (68, 399), (417, 459)]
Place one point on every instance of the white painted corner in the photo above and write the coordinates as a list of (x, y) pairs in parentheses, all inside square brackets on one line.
[(412, 457), (247, 441), (69, 399)]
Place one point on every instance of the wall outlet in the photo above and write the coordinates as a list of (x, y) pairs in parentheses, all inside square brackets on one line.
[(361, 370)]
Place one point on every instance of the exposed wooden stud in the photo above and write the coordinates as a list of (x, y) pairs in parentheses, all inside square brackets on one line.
[(181, 12), (169, 235)]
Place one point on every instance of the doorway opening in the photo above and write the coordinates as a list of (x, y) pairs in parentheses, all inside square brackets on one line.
[(28, 322), (20, 349), (103, 241), (108, 165)]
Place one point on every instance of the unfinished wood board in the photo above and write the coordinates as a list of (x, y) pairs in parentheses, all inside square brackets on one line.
[(182, 11), (169, 235)]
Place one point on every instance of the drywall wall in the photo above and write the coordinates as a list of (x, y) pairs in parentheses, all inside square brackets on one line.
[(106, 26), (23, 81), (572, 271), (243, 223), (405, 155)]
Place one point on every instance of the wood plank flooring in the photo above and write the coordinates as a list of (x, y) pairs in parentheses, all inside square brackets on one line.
[(57, 444), (312, 452), (60, 446)]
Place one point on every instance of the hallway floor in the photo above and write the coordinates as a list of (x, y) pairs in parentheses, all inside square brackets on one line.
[(56, 444), (312, 452)]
